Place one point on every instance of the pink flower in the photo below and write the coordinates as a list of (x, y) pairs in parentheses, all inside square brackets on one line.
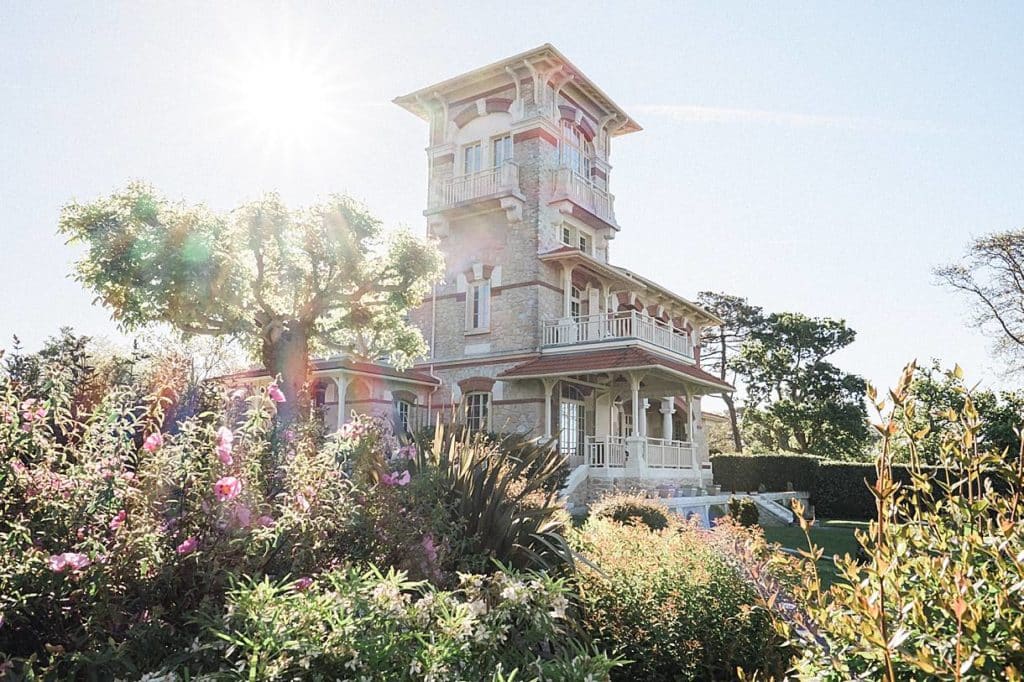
[(407, 452), (265, 521), (303, 583), (75, 561), (225, 441), (17, 466), (227, 488), (32, 410), (243, 517), (429, 548), (118, 520), (153, 442), (303, 503), (275, 393), (396, 478), (188, 546)]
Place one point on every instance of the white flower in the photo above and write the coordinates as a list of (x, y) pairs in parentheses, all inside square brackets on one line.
[(477, 608)]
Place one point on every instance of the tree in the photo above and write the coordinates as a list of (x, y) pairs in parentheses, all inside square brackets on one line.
[(939, 399), (992, 276), (797, 401), (721, 345), (284, 283)]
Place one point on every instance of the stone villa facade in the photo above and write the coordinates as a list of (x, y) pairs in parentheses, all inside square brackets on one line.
[(534, 329)]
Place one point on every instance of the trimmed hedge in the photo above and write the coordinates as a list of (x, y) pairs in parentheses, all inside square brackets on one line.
[(746, 473), (838, 489)]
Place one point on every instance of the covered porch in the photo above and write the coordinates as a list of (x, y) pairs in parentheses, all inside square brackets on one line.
[(624, 413)]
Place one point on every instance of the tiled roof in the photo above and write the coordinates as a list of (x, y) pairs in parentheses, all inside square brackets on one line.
[(351, 366), (617, 359)]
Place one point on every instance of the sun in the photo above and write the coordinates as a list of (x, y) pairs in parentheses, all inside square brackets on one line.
[(283, 99)]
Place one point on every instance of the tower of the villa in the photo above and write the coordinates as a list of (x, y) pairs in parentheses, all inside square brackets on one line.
[(519, 167)]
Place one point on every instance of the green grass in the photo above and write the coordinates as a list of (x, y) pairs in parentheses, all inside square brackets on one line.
[(834, 536)]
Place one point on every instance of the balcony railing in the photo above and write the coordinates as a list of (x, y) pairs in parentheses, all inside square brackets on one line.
[(658, 453), (606, 451), (616, 326), (585, 193), (670, 454), (486, 183)]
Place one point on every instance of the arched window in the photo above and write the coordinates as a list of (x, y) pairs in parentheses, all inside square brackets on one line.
[(478, 411)]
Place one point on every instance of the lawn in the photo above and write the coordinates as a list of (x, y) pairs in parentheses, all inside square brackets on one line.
[(834, 536)]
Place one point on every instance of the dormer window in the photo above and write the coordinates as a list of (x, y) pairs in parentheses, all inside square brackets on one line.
[(566, 235), (584, 243)]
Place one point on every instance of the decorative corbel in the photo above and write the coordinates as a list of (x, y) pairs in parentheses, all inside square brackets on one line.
[(513, 209)]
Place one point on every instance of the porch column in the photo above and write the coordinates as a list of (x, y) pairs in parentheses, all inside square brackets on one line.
[(341, 383), (689, 416), (634, 386), (642, 426), (667, 410), (549, 385), (566, 291)]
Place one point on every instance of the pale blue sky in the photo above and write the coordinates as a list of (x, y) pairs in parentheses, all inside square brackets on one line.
[(818, 157)]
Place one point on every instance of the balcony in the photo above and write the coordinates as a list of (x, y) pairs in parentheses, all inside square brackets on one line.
[(491, 184), (616, 327), (584, 193)]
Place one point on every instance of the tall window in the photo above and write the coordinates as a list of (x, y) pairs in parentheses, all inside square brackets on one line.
[(574, 150), (584, 243), (404, 410), (472, 158), (478, 411), (502, 150), (575, 303), (572, 422), (478, 306), (566, 235)]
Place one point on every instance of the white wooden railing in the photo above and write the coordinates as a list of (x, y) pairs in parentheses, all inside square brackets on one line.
[(584, 192), (606, 451), (670, 454), (452, 191), (611, 326)]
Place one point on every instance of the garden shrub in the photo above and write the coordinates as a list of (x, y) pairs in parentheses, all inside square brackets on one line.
[(744, 511), (777, 473), (938, 596), (625, 508), (352, 624), (671, 602)]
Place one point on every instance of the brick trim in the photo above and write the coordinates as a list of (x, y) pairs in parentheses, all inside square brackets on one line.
[(496, 291), (407, 396), (497, 104), (587, 130), (534, 133), (476, 385), (465, 116), (567, 113)]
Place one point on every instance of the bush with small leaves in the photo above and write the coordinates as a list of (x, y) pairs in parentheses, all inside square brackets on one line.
[(626, 508)]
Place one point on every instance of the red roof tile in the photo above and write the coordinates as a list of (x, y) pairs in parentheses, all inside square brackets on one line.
[(608, 360)]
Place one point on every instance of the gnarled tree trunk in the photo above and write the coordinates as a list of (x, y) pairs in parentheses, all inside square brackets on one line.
[(285, 354)]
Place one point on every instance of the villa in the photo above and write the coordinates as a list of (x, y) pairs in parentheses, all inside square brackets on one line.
[(534, 329)]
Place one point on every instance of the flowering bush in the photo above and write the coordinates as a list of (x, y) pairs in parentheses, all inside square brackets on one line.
[(363, 625), (672, 602), (938, 592)]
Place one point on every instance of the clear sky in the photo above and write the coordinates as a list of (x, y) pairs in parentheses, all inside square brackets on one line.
[(818, 157)]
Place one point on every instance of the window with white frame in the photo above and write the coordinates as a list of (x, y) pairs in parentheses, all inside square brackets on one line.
[(567, 235), (572, 421), (472, 158), (403, 409), (584, 243), (575, 303), (501, 150), (478, 411), (574, 150), (478, 306)]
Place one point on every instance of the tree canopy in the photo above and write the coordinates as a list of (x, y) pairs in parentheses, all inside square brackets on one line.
[(797, 401), (285, 283)]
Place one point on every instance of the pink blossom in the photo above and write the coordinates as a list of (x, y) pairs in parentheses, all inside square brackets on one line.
[(303, 583), (188, 546), (225, 442), (227, 488), (396, 478), (17, 466), (275, 393), (118, 520), (429, 548), (407, 452), (243, 516), (303, 503), (153, 442), (75, 561), (265, 521), (31, 410), (128, 475)]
